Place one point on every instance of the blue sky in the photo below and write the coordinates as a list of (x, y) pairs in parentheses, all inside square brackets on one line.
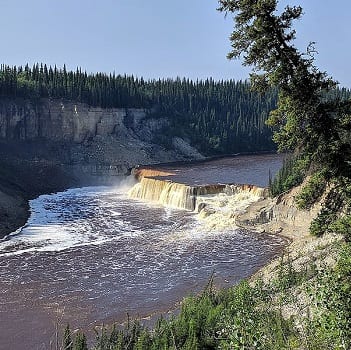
[(156, 38)]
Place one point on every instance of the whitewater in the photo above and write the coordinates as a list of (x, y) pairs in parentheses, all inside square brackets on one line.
[(92, 255)]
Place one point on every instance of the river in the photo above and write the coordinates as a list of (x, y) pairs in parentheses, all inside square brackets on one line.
[(92, 255)]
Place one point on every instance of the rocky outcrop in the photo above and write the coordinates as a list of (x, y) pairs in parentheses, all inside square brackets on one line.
[(280, 215)]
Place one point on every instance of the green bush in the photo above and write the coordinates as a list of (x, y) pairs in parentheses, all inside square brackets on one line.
[(291, 174), (312, 190), (342, 226), (330, 328), (336, 210)]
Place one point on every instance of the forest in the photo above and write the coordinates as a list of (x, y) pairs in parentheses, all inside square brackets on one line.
[(217, 117), (312, 121), (310, 118)]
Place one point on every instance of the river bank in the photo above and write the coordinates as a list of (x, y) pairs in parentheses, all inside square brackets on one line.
[(22, 180), (306, 255)]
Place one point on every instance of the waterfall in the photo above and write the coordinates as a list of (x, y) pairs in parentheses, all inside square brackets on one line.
[(158, 187), (164, 192), (219, 210)]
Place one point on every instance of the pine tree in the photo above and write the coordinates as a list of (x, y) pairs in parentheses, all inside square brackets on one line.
[(80, 342), (305, 120), (67, 339)]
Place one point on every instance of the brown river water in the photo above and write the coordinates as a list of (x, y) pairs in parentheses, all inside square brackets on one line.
[(92, 255)]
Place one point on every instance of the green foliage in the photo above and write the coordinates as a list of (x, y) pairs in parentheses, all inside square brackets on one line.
[(197, 323), (291, 174), (312, 118), (312, 190), (256, 322), (67, 339), (331, 326), (102, 340), (321, 223), (334, 215), (80, 342), (215, 116), (342, 226)]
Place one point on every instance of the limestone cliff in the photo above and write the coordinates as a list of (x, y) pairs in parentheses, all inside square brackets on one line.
[(66, 144), (80, 134)]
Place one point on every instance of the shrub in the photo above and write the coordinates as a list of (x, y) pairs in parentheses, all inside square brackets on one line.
[(312, 190), (291, 174)]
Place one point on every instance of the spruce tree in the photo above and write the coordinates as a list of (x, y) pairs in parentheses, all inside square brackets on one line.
[(80, 342), (305, 119), (67, 339)]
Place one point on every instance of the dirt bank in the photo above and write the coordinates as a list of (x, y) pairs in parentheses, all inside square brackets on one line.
[(281, 216)]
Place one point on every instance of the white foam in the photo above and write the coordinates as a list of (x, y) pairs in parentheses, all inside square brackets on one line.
[(220, 210), (93, 216), (62, 220)]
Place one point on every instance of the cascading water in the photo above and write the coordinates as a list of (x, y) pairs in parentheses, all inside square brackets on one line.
[(217, 204), (164, 192), (219, 211), (91, 255)]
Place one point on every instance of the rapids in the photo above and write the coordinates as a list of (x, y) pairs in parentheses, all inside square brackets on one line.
[(91, 255)]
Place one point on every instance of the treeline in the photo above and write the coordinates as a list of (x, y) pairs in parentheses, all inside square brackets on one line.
[(215, 116), (99, 89)]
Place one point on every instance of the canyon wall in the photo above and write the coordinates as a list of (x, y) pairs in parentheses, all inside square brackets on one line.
[(48, 145), (73, 133)]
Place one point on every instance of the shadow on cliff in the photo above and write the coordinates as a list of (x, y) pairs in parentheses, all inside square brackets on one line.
[(22, 179)]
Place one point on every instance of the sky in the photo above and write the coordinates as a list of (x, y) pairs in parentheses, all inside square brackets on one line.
[(157, 38)]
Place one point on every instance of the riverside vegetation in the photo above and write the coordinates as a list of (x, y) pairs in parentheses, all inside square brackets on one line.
[(316, 130), (250, 316)]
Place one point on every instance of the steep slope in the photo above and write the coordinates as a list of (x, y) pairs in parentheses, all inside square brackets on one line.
[(49, 145), (80, 134)]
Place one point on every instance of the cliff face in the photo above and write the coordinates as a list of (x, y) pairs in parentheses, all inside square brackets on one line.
[(80, 134), (66, 121), (49, 145)]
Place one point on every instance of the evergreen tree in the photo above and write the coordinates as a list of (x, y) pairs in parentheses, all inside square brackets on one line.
[(313, 117), (80, 342), (305, 119), (67, 339)]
